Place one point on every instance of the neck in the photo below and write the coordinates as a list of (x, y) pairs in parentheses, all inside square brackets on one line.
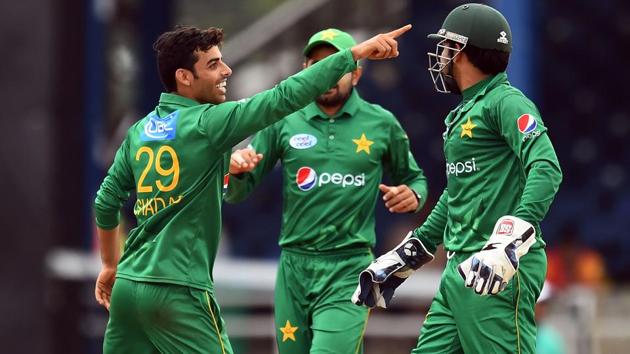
[(470, 78), (184, 92), (330, 110)]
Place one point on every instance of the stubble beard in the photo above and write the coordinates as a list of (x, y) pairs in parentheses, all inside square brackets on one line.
[(338, 99)]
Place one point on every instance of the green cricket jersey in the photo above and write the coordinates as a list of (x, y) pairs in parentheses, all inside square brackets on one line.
[(176, 159), (499, 161), (331, 168)]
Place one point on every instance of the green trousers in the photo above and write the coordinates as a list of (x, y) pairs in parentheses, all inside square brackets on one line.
[(313, 310), (460, 321), (163, 318)]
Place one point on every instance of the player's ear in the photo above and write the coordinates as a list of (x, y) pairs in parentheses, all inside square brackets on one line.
[(461, 53), (356, 75), (183, 77)]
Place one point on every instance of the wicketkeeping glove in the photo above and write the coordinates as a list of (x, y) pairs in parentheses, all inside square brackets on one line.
[(378, 282), (491, 269)]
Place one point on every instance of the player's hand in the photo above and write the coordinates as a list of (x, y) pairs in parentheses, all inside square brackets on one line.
[(244, 160), (104, 285), (399, 199), (490, 270), (381, 46), (378, 282)]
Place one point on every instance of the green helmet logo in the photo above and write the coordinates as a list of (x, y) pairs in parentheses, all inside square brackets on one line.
[(471, 24)]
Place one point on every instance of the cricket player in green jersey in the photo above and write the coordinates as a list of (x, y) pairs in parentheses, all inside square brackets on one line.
[(160, 292), (502, 175), (333, 155)]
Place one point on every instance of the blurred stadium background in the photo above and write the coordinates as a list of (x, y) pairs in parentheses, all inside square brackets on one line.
[(76, 73)]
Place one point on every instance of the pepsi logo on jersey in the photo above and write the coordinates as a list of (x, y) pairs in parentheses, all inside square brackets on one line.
[(526, 123), (306, 178)]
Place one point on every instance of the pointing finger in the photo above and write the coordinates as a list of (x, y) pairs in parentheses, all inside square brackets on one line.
[(398, 32)]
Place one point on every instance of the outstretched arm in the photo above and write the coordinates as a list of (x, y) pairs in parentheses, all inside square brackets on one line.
[(231, 122)]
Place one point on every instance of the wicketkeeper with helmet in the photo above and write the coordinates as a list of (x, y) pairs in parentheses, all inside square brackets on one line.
[(502, 175)]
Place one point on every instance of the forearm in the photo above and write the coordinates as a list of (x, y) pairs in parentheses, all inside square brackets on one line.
[(543, 181), (110, 197), (109, 246), (251, 115), (239, 188), (420, 186), (431, 232)]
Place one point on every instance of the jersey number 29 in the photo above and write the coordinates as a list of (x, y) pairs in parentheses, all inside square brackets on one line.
[(172, 171)]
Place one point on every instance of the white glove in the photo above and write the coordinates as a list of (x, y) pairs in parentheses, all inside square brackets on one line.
[(491, 269), (378, 281)]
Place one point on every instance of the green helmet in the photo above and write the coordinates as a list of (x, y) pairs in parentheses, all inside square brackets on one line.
[(470, 24), (479, 25)]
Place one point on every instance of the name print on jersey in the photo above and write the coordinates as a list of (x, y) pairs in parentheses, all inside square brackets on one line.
[(306, 178), (150, 206)]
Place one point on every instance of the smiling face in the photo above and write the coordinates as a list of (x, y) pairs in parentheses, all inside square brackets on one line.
[(208, 82)]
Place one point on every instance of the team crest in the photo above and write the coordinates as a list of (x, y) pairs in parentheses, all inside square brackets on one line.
[(502, 38)]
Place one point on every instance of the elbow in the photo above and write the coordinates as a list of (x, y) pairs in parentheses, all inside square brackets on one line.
[(558, 176)]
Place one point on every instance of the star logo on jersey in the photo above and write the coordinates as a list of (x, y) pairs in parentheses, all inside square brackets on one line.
[(467, 129), (288, 332), (329, 35), (363, 144)]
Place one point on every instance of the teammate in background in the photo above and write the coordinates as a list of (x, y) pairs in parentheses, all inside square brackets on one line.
[(333, 155), (175, 159), (502, 175)]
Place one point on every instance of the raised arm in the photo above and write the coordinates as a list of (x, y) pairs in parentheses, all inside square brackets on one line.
[(231, 122)]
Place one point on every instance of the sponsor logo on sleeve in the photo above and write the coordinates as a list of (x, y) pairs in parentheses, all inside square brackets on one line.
[(302, 141), (527, 125), (157, 128)]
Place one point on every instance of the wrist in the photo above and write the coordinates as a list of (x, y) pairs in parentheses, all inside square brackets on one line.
[(109, 266)]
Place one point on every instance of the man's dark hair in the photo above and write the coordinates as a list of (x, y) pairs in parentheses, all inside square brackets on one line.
[(489, 61), (177, 49)]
